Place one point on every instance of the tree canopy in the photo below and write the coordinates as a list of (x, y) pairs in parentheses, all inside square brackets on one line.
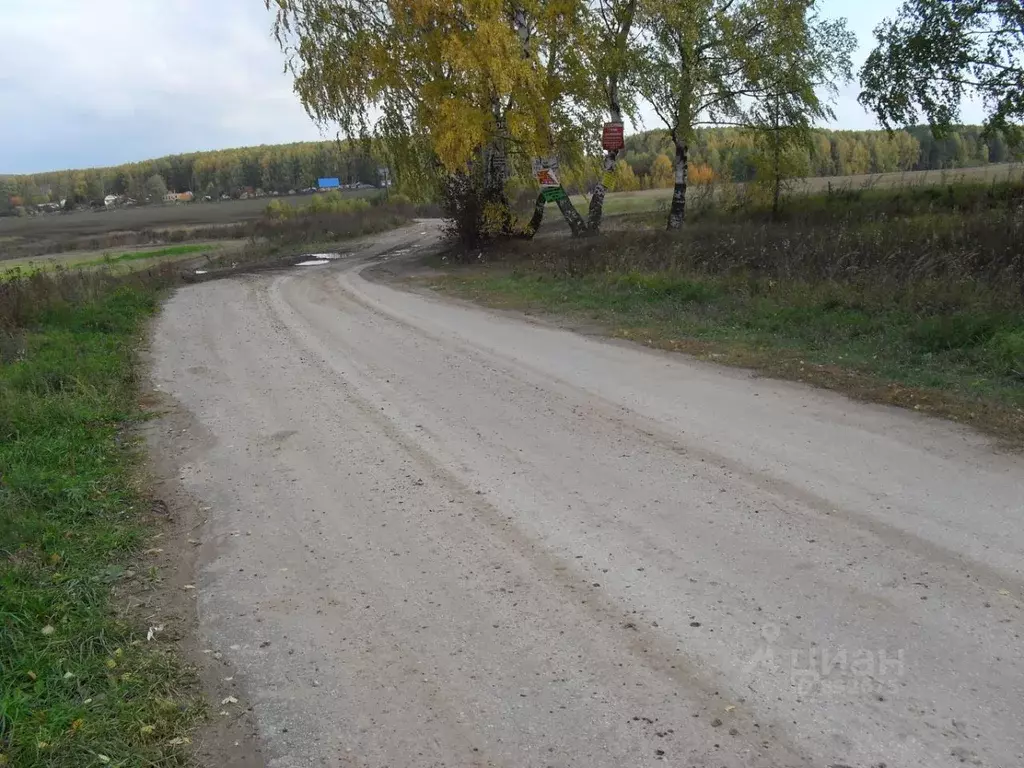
[(456, 75), (936, 53), (231, 172), (468, 89)]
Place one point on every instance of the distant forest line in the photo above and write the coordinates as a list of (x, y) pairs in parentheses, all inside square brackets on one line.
[(720, 153)]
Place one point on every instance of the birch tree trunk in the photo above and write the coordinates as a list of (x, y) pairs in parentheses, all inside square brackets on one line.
[(496, 171), (572, 216), (596, 211), (613, 74), (537, 219), (677, 213)]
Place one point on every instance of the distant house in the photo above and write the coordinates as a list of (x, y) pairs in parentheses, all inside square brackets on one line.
[(326, 185)]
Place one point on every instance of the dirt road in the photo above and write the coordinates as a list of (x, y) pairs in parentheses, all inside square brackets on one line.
[(440, 536)]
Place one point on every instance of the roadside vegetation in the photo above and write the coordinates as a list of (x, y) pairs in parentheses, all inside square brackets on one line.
[(910, 296), (12, 270), (81, 684), (332, 216)]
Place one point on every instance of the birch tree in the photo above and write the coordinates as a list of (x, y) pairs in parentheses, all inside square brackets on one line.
[(454, 90), (706, 62), (614, 63), (804, 62)]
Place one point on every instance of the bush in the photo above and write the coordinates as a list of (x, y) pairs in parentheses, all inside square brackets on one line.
[(958, 331), (277, 209), (331, 221), (333, 202), (1006, 352)]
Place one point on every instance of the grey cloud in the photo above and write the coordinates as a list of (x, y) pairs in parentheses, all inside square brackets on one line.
[(118, 80)]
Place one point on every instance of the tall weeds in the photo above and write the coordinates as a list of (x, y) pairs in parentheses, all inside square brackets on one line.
[(333, 217), (23, 298), (944, 252)]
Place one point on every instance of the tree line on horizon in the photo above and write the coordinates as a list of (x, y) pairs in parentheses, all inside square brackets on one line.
[(732, 154), (272, 168), (727, 154)]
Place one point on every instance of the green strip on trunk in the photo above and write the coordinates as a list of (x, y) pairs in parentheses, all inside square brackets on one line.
[(553, 194)]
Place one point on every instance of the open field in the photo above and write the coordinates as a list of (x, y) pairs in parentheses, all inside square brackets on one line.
[(71, 230), (166, 216), (58, 229), (81, 223), (651, 200)]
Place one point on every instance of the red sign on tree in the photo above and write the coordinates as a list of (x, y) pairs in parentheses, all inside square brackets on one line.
[(613, 138)]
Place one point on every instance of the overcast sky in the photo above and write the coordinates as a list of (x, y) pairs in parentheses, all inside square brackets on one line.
[(100, 82)]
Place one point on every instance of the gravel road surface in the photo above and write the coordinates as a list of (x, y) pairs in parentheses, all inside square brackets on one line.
[(442, 536)]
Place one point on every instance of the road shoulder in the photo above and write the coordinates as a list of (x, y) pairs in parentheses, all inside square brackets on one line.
[(483, 285), (229, 737)]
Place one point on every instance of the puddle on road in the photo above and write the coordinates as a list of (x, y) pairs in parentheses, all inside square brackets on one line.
[(317, 259)]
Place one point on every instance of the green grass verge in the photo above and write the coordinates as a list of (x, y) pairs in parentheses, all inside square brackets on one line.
[(12, 271), (174, 250), (79, 685), (966, 365)]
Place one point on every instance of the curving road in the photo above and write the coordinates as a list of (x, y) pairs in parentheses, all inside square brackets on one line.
[(442, 536)]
